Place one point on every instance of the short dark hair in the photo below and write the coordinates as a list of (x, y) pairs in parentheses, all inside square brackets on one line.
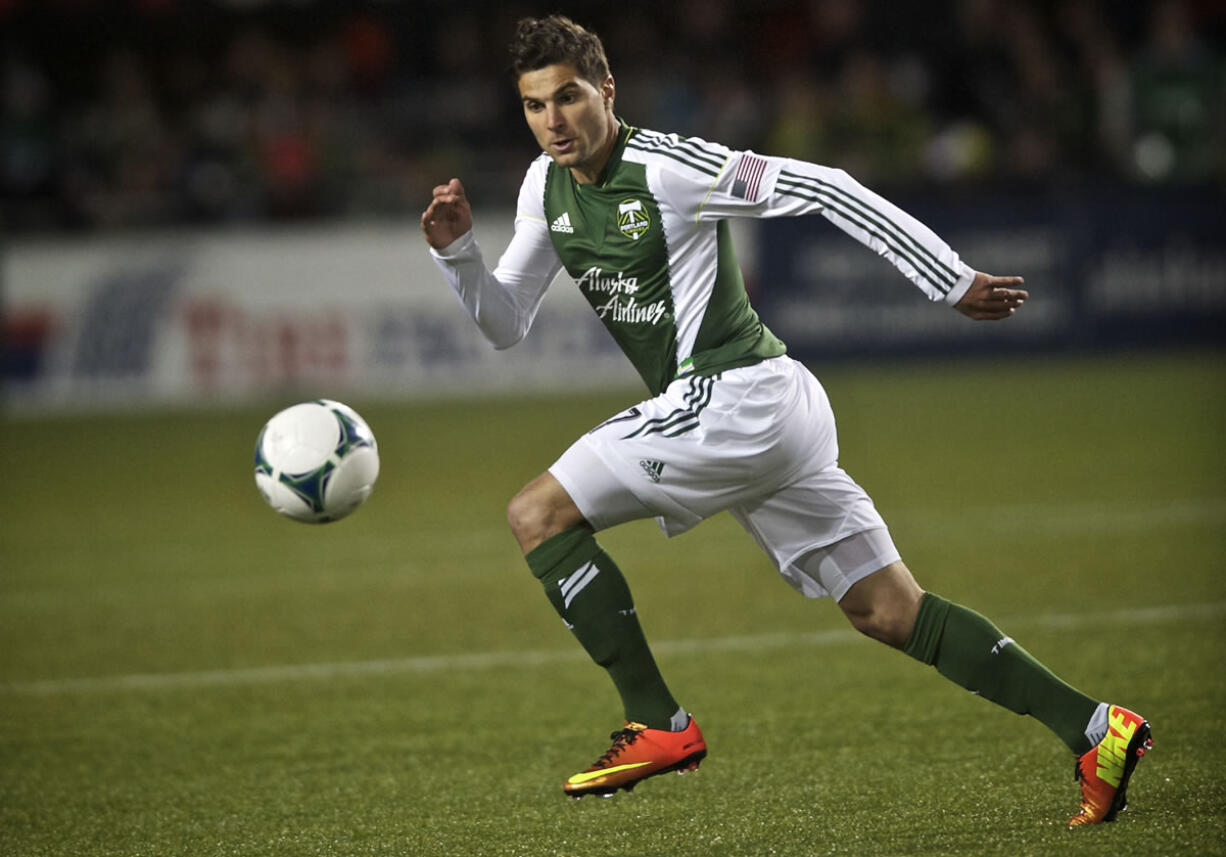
[(557, 39)]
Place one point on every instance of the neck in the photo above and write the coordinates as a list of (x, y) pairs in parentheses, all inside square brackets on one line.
[(589, 173)]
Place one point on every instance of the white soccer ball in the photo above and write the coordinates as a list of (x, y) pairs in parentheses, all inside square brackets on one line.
[(316, 461)]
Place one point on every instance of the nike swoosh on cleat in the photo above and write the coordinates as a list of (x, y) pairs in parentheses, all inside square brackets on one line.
[(580, 779)]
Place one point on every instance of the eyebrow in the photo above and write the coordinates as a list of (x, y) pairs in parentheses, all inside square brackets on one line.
[(569, 85)]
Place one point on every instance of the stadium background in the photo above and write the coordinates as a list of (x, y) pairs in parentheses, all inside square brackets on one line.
[(165, 164), (148, 112), (209, 210)]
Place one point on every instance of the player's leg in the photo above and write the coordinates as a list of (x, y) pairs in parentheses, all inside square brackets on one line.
[(590, 593), (884, 604), (540, 510), (826, 538), (971, 651), (888, 605), (680, 457)]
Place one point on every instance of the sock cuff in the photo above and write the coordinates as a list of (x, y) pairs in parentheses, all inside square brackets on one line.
[(925, 640), (566, 550), (1096, 728)]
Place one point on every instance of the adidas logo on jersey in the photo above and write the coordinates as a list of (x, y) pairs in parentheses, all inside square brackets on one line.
[(562, 223), (653, 469)]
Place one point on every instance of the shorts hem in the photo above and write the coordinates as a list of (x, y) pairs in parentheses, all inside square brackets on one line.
[(673, 518), (791, 569), (866, 570), (577, 496)]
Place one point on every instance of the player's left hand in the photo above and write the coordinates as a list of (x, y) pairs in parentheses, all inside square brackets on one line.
[(992, 298)]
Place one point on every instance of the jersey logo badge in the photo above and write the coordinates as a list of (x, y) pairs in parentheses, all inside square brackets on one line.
[(562, 223), (633, 219), (652, 469)]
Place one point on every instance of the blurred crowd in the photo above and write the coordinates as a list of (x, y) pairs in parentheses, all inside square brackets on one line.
[(137, 113)]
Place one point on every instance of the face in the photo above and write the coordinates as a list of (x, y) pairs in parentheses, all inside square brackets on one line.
[(571, 118)]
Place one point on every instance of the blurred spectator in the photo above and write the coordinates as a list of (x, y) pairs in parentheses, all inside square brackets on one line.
[(875, 130), (28, 142), (136, 113), (121, 153), (1178, 101)]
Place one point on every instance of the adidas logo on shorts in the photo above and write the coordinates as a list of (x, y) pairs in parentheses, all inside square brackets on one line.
[(653, 469), (562, 223)]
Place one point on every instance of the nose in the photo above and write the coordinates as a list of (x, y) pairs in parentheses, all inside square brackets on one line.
[(553, 117)]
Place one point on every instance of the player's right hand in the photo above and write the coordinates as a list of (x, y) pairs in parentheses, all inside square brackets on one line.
[(448, 216)]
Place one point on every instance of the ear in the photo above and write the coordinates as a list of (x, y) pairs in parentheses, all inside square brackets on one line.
[(608, 90)]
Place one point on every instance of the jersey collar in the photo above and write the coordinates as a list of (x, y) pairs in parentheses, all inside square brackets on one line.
[(615, 157)]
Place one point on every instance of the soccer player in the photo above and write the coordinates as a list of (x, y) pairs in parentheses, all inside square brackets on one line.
[(639, 220)]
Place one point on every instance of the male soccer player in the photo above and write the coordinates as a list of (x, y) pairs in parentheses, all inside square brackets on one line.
[(639, 220)]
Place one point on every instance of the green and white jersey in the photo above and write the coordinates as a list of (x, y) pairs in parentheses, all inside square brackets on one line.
[(648, 245)]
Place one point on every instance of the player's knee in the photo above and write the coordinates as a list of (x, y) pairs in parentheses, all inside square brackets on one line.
[(542, 509), (884, 605), (534, 516), (526, 517), (887, 626)]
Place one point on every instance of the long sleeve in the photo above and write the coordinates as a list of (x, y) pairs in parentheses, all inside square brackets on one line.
[(752, 185), (504, 302)]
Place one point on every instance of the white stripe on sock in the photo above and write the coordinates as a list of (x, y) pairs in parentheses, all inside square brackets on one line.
[(567, 582), (574, 584)]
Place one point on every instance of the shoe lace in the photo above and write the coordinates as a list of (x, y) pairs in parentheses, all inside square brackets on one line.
[(621, 739)]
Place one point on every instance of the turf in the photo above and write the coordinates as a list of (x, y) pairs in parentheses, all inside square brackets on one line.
[(184, 673)]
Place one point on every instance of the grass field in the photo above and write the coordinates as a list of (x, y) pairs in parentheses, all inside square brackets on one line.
[(184, 673)]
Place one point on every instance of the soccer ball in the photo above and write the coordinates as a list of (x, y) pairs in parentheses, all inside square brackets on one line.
[(316, 461)]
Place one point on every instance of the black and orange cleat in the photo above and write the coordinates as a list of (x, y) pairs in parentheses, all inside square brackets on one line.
[(636, 754), (1104, 770)]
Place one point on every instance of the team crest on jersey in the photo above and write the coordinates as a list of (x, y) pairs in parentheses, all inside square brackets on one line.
[(633, 219)]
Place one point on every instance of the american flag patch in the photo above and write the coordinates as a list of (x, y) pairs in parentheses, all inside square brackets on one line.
[(748, 179)]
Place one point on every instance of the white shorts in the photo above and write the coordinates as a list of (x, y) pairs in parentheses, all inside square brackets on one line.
[(759, 442)]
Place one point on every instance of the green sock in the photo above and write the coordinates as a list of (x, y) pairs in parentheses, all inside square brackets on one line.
[(589, 592), (969, 650)]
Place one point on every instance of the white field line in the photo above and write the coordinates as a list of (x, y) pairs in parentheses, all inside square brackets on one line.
[(519, 659), (1079, 518), (1054, 518)]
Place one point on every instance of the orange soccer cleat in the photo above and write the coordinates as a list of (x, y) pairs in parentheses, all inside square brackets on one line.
[(1104, 770), (638, 753)]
